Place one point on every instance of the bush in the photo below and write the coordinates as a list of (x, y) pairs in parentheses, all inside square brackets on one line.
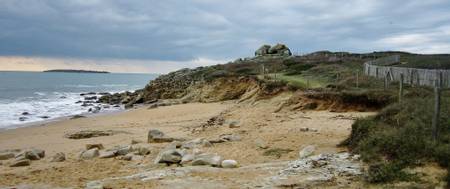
[(400, 136), (382, 172)]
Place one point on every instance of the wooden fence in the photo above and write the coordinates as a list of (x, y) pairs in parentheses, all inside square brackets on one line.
[(412, 76)]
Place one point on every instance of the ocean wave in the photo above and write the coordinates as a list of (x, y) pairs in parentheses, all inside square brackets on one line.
[(114, 85), (80, 86)]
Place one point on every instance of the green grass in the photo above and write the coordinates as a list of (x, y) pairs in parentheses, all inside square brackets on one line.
[(300, 81)]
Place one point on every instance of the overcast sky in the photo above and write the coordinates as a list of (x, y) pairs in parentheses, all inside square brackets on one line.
[(160, 36)]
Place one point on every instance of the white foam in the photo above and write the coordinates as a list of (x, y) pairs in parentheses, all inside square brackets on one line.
[(54, 105)]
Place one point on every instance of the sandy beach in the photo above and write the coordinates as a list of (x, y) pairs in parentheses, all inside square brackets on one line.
[(257, 121)]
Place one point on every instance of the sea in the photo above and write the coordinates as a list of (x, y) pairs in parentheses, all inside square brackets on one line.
[(28, 97)]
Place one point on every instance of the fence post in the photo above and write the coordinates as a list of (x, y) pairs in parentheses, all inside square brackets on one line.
[(386, 81), (400, 92), (437, 108)]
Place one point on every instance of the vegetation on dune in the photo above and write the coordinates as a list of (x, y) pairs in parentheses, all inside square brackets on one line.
[(400, 136)]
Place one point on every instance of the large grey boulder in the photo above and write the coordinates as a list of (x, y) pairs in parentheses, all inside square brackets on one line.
[(263, 50), (89, 154), (156, 136), (280, 49), (207, 159), (169, 156)]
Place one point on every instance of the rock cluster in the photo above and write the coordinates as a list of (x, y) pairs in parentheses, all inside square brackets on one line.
[(278, 49), (189, 153), (22, 157)]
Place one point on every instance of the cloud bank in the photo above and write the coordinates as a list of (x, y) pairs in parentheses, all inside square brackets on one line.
[(182, 31)]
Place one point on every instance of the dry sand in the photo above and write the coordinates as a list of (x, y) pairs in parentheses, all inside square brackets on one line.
[(257, 121)]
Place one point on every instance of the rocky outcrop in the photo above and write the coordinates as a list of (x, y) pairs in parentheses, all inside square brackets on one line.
[(278, 49), (263, 50)]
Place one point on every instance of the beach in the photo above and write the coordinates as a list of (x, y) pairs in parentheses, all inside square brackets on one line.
[(257, 122)]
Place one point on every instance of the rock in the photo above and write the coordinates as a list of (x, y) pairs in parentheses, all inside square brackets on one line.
[(137, 158), (94, 185), (6, 155), (21, 163), (29, 154), (207, 159), (233, 124), (280, 49), (135, 141), (89, 154), (107, 154), (58, 157), (307, 151), (77, 117), (141, 150), (44, 117), (260, 143), (90, 98), (263, 50), (169, 156), (230, 137), (156, 136), (23, 118), (39, 152), (25, 113), (124, 150), (92, 146), (127, 157), (89, 134), (229, 164), (186, 159), (199, 142)]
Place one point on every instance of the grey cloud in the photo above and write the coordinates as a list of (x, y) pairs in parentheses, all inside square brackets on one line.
[(223, 29)]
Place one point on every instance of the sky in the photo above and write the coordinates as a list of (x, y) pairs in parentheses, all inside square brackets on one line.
[(154, 36)]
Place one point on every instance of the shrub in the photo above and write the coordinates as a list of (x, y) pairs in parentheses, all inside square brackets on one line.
[(386, 172)]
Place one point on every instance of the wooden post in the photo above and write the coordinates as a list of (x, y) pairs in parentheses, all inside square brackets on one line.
[(400, 92), (385, 82), (437, 108)]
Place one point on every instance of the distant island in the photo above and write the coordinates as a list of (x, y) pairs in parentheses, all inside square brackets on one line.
[(75, 71)]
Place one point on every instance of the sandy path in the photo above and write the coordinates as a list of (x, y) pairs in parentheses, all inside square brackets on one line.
[(257, 121)]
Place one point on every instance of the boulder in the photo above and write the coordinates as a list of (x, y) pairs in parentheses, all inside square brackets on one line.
[(21, 163), (187, 158), (29, 154), (141, 149), (88, 134), (263, 50), (123, 150), (92, 146), (199, 142), (58, 157), (107, 154), (169, 156), (207, 159), (127, 157), (307, 151), (39, 152), (280, 49), (89, 154), (230, 137), (229, 163), (156, 136), (6, 155)]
